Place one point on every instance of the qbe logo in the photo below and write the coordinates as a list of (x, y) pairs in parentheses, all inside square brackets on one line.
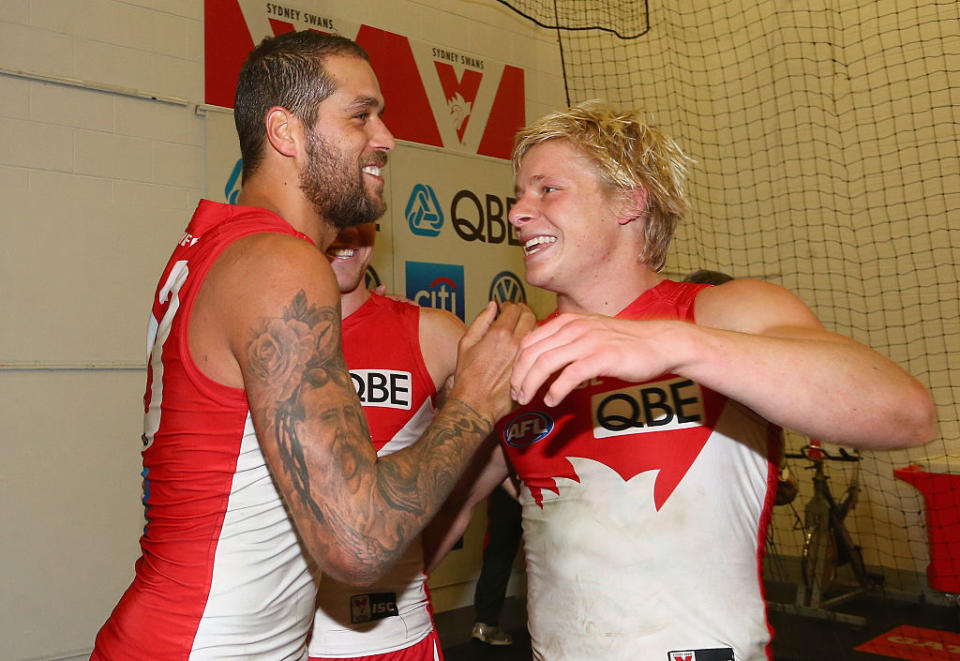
[(436, 286), (423, 211), (507, 288), (483, 220)]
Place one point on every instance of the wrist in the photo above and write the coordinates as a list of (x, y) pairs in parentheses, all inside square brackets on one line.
[(468, 415)]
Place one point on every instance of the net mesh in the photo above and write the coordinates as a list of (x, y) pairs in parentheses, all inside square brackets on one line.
[(828, 161)]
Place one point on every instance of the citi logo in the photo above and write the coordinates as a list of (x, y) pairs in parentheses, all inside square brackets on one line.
[(423, 211), (436, 286), (507, 288), (527, 429)]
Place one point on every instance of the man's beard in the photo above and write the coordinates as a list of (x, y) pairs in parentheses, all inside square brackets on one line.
[(335, 186)]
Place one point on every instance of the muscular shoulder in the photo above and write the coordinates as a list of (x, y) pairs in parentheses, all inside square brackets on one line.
[(256, 279), (441, 324), (440, 333), (752, 306)]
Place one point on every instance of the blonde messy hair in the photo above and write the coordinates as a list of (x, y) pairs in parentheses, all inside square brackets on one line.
[(628, 154)]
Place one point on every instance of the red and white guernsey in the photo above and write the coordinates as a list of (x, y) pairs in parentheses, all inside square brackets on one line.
[(221, 574), (382, 349), (645, 508)]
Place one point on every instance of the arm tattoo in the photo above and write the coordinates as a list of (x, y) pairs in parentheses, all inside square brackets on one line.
[(299, 351), (298, 360)]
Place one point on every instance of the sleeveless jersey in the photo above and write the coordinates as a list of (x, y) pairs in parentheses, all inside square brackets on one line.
[(645, 508), (221, 572), (381, 345)]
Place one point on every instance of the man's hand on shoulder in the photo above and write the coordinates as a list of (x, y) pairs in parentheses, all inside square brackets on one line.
[(573, 348)]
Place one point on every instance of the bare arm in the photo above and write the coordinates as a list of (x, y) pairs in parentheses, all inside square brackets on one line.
[(487, 469), (439, 335), (754, 342), (355, 513)]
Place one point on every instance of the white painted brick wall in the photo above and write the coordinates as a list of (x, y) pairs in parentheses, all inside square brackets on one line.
[(34, 49), (34, 145), (14, 97), (71, 107)]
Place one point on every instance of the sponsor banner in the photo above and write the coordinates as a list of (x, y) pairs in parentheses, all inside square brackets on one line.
[(452, 208), (449, 98)]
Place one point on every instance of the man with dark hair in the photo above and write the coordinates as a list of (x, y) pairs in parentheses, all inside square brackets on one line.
[(649, 407), (257, 456)]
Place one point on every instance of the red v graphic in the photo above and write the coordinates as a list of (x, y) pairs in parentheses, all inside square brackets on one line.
[(460, 94)]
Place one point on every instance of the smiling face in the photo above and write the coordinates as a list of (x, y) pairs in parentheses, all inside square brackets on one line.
[(572, 228), (350, 255), (347, 147)]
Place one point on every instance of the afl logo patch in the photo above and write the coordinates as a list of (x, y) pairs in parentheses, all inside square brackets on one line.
[(527, 429)]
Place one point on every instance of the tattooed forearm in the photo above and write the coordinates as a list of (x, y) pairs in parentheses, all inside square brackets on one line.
[(436, 461), (356, 513), (413, 484)]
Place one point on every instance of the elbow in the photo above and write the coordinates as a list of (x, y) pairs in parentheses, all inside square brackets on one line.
[(357, 567), (923, 425), (915, 421), (356, 573), (363, 578)]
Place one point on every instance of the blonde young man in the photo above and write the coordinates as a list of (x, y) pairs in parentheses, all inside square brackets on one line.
[(648, 407), (400, 357), (256, 453)]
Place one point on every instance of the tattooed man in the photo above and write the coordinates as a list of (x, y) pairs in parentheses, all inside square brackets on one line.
[(256, 453)]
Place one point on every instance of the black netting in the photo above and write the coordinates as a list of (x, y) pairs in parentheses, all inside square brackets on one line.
[(828, 161)]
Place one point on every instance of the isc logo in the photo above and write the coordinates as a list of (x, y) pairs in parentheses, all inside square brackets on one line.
[(527, 428), (436, 286), (375, 606)]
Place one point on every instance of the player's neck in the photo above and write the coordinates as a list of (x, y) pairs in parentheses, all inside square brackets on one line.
[(292, 206), (609, 296), (352, 301)]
